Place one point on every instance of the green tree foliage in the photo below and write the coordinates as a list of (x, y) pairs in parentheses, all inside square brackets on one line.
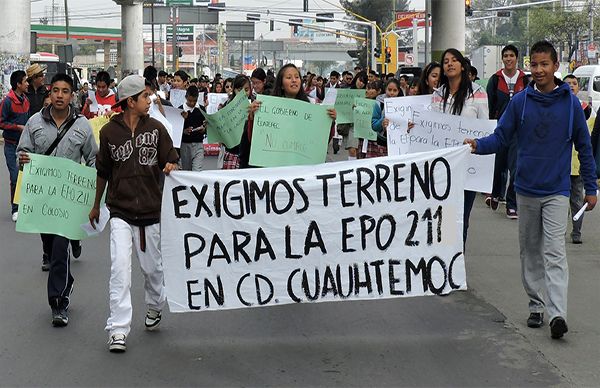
[(559, 26), (565, 26), (379, 11)]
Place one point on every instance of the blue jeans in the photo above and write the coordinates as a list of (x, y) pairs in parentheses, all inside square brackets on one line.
[(10, 154)]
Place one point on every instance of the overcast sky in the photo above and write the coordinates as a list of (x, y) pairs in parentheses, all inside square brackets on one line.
[(106, 13)]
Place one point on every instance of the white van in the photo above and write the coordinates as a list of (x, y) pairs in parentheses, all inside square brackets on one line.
[(589, 84)]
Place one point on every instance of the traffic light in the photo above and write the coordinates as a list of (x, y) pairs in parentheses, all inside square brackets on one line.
[(271, 25), (180, 52), (305, 5), (468, 9), (388, 54), (377, 52)]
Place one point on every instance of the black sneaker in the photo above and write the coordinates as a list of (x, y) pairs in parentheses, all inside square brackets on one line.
[(59, 317), (117, 344), (45, 263), (558, 328), (535, 320), (76, 248), (152, 321)]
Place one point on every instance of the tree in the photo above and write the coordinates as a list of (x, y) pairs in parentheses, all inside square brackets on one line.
[(561, 26), (379, 11)]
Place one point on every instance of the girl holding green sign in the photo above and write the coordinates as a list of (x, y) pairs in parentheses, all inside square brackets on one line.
[(231, 156), (288, 84)]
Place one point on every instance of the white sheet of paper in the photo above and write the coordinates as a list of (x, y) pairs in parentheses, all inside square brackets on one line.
[(395, 130), (102, 221), (177, 121), (177, 97), (214, 100), (365, 146), (162, 94), (94, 104), (330, 96), (155, 114)]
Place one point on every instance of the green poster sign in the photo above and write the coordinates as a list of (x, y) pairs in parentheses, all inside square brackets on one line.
[(288, 132), (227, 125), (57, 195), (344, 103), (363, 114)]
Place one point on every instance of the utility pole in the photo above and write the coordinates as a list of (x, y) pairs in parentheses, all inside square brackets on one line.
[(152, 23), (591, 20), (174, 16), (67, 20)]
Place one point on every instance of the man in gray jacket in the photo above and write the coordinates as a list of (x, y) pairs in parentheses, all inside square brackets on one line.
[(58, 130)]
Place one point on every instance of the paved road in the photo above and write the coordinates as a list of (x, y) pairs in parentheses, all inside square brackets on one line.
[(472, 338)]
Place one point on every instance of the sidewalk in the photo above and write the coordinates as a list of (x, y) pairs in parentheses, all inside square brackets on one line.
[(493, 272)]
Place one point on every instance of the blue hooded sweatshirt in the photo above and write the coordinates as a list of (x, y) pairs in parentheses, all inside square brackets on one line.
[(546, 126)]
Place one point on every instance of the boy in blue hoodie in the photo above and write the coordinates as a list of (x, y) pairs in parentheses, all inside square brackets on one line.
[(547, 121)]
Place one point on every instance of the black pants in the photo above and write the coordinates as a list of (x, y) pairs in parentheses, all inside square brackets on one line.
[(469, 200), (506, 161), (60, 280)]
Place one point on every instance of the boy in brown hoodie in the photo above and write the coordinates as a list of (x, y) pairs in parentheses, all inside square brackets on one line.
[(134, 148)]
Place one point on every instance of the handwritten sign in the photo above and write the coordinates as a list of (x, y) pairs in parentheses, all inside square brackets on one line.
[(435, 130), (177, 97), (227, 125), (344, 102), (363, 115), (367, 229), (56, 196), (214, 100), (289, 132)]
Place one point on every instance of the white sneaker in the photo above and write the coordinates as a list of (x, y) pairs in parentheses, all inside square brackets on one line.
[(116, 343), (15, 215), (152, 320)]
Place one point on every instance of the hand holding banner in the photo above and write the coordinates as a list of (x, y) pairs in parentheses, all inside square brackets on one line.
[(289, 132)]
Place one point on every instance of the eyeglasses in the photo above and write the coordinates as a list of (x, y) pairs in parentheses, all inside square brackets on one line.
[(38, 75)]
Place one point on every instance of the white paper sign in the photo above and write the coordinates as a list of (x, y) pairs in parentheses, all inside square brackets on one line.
[(330, 97), (154, 112), (177, 121), (100, 225), (354, 230), (177, 97), (94, 105), (214, 100), (435, 130)]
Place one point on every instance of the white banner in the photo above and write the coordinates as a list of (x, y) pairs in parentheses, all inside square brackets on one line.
[(435, 130), (365, 229)]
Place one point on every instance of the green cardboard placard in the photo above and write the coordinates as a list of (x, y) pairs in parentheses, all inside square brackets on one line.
[(344, 103), (227, 125), (363, 115), (288, 132), (57, 195)]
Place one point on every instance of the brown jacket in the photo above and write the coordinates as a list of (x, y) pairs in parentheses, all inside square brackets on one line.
[(132, 164)]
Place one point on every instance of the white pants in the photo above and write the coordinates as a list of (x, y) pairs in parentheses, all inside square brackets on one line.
[(123, 239)]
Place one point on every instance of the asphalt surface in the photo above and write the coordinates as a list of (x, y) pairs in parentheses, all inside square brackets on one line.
[(472, 338)]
